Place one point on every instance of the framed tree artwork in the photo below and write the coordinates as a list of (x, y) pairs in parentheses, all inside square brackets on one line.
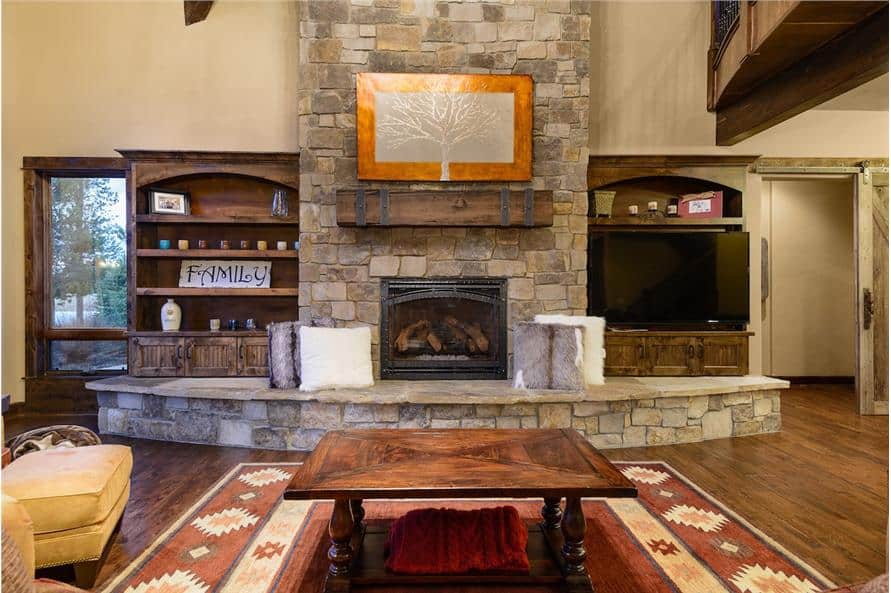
[(444, 127)]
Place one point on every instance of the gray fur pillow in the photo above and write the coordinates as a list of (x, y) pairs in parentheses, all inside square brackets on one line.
[(284, 351), (548, 356)]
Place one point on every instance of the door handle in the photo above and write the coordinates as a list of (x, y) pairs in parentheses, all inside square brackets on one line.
[(189, 351), (179, 353), (241, 352), (641, 352), (869, 308), (690, 352)]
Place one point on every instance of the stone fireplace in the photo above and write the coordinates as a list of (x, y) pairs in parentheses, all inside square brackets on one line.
[(341, 267), (443, 328)]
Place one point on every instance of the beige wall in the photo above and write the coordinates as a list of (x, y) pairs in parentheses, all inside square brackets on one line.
[(648, 92), (84, 78), (809, 315)]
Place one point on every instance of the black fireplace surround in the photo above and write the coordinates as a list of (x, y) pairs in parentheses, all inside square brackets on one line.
[(443, 328)]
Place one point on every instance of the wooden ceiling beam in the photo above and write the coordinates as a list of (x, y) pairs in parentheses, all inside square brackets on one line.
[(844, 63), (196, 11)]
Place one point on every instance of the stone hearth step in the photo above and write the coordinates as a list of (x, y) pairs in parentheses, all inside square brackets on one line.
[(624, 412)]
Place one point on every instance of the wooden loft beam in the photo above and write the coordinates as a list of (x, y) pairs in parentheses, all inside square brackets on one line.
[(844, 63), (196, 11)]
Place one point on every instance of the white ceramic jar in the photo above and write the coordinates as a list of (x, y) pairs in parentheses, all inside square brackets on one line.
[(171, 316)]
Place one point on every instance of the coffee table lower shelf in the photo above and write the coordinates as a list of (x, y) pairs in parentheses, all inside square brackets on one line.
[(368, 567)]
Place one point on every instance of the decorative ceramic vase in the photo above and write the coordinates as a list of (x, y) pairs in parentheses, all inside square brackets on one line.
[(603, 203), (171, 316), (279, 203)]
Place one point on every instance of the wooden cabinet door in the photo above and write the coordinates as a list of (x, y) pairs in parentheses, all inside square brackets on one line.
[(210, 357), (625, 356), (156, 357), (728, 355), (671, 357), (253, 357)]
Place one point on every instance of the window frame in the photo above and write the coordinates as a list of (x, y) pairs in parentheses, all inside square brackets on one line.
[(39, 332)]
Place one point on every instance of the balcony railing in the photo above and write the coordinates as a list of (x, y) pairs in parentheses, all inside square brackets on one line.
[(726, 16)]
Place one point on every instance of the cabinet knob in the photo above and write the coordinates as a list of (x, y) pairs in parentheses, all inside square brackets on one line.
[(690, 352)]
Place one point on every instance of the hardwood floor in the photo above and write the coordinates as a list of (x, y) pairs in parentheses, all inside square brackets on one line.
[(819, 488)]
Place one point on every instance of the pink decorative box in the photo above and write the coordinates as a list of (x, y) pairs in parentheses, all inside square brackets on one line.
[(709, 204)]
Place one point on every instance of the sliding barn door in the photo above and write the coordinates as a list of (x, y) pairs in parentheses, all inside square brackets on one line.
[(872, 290)]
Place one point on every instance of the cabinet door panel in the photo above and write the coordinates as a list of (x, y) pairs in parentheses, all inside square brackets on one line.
[(210, 357), (625, 356), (671, 357), (253, 357), (156, 357), (723, 356)]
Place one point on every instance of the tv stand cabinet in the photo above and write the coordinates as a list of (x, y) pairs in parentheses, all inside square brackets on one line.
[(642, 353)]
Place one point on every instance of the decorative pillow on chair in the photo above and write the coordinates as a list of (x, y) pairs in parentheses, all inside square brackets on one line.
[(284, 351), (335, 357), (548, 356), (594, 353)]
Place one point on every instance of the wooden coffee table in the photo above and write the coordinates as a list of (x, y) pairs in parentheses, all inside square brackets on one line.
[(355, 465)]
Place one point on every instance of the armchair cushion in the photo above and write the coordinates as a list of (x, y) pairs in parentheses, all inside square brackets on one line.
[(69, 488)]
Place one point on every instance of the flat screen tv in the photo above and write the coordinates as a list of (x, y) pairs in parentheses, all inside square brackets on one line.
[(653, 279)]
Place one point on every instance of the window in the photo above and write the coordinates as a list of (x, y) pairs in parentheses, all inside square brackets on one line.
[(77, 277)]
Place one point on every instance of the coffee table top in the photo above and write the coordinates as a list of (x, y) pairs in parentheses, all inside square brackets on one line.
[(456, 463)]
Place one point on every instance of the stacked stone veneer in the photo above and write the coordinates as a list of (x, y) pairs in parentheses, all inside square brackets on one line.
[(340, 267), (275, 424)]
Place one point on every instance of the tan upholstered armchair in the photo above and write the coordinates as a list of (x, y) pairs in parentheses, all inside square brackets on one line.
[(65, 504)]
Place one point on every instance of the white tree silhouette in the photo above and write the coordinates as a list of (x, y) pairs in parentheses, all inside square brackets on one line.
[(440, 115)]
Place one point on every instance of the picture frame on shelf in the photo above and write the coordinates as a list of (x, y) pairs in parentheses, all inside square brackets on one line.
[(168, 201)]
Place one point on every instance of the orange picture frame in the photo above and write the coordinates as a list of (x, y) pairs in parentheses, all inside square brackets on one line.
[(370, 168)]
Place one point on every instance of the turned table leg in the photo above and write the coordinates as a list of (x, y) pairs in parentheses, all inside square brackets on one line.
[(574, 554), (340, 554), (551, 513), (358, 513)]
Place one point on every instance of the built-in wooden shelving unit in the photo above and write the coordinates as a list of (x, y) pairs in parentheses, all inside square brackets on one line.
[(633, 221), (641, 179), (231, 199), (215, 253), (253, 220), (205, 292)]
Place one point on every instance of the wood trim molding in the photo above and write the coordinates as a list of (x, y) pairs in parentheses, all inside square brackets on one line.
[(220, 156), (74, 164), (195, 11), (848, 61), (672, 160)]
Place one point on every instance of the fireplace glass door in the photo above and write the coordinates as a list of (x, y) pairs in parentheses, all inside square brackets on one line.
[(443, 328)]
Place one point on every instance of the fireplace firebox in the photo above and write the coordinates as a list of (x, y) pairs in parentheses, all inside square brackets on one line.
[(443, 328)]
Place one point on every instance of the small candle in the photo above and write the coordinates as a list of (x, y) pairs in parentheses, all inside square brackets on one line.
[(632, 210), (652, 206), (202, 243), (164, 244), (261, 245), (281, 245), (244, 244), (224, 244), (182, 244), (672, 209)]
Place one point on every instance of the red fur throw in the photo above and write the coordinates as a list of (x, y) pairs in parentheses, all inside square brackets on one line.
[(446, 541)]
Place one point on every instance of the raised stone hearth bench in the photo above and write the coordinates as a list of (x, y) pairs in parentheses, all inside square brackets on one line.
[(626, 412)]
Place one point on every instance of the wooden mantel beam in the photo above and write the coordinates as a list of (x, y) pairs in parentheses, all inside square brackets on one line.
[(844, 63), (196, 11)]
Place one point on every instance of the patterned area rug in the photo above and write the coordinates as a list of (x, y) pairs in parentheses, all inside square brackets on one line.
[(241, 537)]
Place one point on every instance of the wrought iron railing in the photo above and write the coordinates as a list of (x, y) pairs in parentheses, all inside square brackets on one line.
[(726, 15)]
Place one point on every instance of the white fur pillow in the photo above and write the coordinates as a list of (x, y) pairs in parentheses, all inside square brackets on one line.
[(593, 342), (335, 357)]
